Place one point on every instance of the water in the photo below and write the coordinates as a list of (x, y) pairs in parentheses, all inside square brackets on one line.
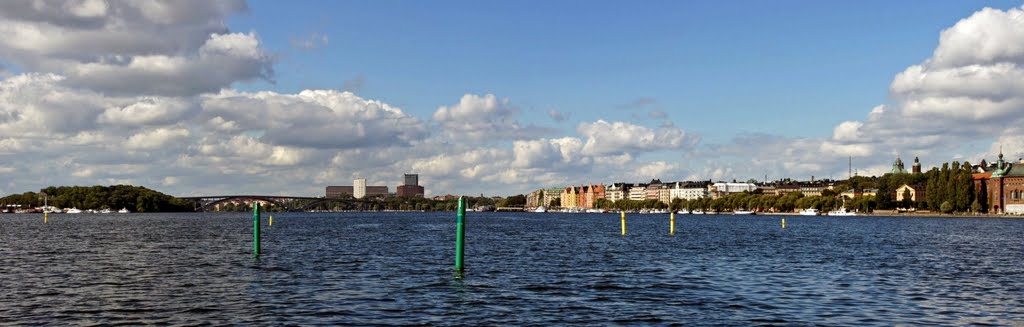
[(522, 269)]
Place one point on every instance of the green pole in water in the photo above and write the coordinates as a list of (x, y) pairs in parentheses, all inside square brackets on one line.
[(460, 235), (256, 229)]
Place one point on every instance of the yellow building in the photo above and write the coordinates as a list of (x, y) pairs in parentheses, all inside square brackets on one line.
[(916, 193), (570, 197)]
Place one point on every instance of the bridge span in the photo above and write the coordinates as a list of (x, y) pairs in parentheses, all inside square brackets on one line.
[(289, 203)]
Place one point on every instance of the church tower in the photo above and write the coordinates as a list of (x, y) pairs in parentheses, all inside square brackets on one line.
[(916, 168)]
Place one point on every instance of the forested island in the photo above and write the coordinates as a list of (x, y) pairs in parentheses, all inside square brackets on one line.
[(134, 198)]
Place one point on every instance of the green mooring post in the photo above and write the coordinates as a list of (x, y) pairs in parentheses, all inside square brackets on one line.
[(256, 229), (460, 235)]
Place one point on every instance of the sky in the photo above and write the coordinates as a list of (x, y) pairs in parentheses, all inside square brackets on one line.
[(201, 97)]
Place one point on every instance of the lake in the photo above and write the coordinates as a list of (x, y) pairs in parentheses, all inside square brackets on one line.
[(521, 269)]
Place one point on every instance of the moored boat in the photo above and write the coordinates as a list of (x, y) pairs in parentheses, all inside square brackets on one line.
[(810, 212), (73, 210), (123, 210), (742, 212), (842, 212), (540, 209)]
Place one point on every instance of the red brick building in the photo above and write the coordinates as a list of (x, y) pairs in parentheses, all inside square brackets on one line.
[(1003, 186)]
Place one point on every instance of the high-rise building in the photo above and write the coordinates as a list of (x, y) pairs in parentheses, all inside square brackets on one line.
[(359, 188), (411, 188)]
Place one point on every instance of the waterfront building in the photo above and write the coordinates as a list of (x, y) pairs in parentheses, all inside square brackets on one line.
[(653, 190), (636, 192), (533, 199), (1003, 184), (616, 192), (570, 197), (665, 193), (550, 195), (722, 188), (688, 191), (590, 194)]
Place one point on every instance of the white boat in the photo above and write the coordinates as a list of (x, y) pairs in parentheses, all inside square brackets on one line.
[(842, 212), (74, 210), (537, 209), (697, 212), (106, 210), (52, 209), (123, 210), (596, 211), (742, 212), (683, 212), (810, 212)]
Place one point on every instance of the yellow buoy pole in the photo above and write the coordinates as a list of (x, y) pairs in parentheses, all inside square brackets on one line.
[(270, 222), (623, 222), (45, 216), (672, 223), (783, 223)]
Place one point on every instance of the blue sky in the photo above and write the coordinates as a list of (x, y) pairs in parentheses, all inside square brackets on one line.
[(794, 68), (499, 97)]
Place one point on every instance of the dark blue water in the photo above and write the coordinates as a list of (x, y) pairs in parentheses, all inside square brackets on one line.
[(522, 269)]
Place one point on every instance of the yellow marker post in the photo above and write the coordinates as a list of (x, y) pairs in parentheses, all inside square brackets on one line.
[(672, 223), (271, 221), (45, 217), (623, 223), (783, 223)]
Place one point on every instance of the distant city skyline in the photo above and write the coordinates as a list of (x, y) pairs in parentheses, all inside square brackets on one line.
[(498, 98)]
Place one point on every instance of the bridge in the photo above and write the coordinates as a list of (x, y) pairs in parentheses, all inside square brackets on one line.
[(289, 203)]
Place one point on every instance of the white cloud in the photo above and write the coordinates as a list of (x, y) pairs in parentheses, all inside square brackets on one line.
[(604, 138), (483, 119), (149, 111), (157, 138), (325, 119), (132, 47), (970, 90)]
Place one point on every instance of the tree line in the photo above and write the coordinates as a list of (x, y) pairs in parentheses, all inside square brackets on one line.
[(134, 198)]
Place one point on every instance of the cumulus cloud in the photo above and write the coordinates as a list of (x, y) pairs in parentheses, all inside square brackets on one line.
[(484, 118), (132, 47), (149, 111), (970, 89), (604, 138), (156, 138), (325, 119)]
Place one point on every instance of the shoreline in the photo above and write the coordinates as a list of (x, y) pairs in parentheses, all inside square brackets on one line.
[(918, 214)]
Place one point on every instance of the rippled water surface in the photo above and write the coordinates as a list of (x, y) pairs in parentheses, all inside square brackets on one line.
[(521, 269)]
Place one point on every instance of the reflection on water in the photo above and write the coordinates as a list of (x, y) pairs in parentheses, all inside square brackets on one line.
[(521, 268)]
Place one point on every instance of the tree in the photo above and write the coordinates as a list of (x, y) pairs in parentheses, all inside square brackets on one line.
[(946, 207), (907, 203)]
